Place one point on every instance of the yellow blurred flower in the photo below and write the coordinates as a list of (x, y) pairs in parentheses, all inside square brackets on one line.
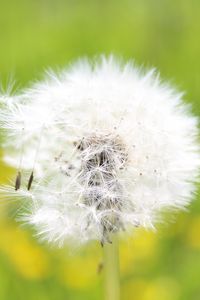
[(141, 246), (26, 257), (133, 289), (193, 235), (80, 271), (162, 288)]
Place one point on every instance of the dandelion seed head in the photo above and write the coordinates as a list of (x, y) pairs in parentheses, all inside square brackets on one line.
[(111, 147)]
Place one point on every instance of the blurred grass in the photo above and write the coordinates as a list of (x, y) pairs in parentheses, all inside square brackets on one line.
[(38, 34)]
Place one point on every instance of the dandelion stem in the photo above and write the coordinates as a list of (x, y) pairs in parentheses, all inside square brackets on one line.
[(111, 270)]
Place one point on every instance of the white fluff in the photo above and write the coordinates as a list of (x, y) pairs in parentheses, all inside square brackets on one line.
[(61, 127)]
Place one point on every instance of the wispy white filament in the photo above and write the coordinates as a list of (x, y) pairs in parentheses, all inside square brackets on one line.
[(110, 147)]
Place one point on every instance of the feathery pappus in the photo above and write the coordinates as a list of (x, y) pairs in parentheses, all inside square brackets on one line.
[(99, 148)]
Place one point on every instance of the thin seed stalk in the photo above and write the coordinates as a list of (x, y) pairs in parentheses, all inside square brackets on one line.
[(111, 269)]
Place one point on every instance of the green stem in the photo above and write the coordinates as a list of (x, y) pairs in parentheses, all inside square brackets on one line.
[(111, 270)]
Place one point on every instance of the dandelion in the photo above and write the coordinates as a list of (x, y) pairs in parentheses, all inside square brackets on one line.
[(99, 149)]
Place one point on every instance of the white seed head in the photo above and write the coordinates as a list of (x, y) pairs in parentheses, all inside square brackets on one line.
[(102, 147)]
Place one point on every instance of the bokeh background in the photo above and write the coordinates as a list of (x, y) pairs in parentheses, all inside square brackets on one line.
[(38, 34)]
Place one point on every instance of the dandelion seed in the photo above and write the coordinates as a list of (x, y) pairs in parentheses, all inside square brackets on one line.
[(116, 147), (18, 181), (30, 181)]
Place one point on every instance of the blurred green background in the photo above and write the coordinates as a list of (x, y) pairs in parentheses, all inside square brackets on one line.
[(38, 34)]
